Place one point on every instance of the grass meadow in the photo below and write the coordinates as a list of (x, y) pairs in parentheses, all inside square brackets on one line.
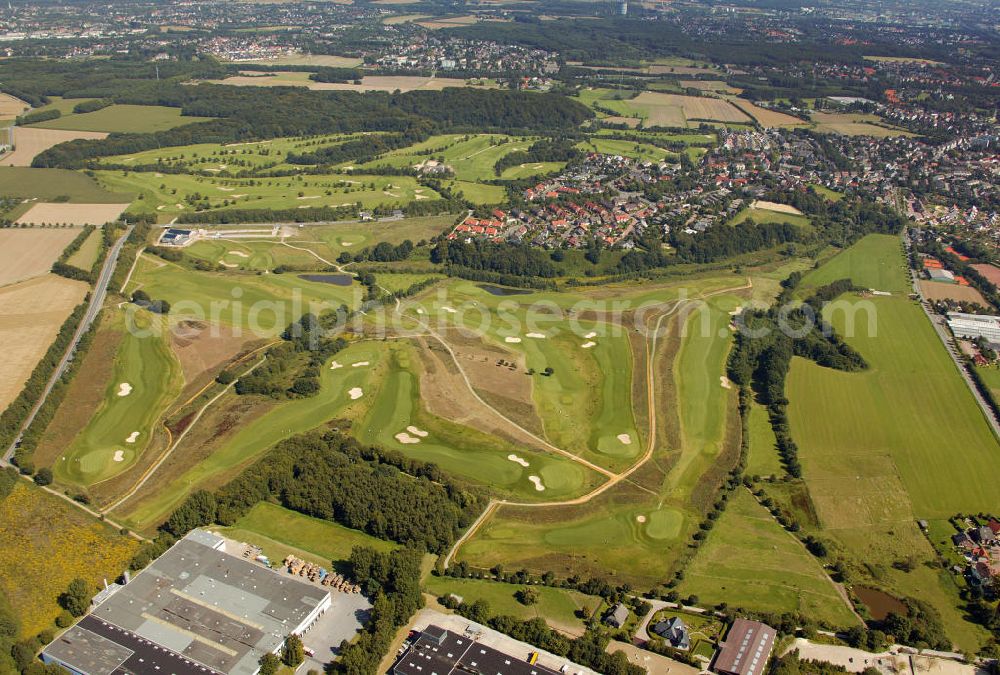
[(281, 532), (901, 441), (750, 561), (558, 606), (57, 184), (137, 119)]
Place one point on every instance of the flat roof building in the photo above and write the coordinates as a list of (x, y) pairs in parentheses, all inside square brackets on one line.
[(195, 609), (442, 652), (973, 326), (747, 648)]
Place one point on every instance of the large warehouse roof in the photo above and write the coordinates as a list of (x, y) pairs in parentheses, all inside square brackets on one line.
[(207, 607)]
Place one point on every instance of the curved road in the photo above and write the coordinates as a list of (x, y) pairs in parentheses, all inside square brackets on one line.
[(96, 302)]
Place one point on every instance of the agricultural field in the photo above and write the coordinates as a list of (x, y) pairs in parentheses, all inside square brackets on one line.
[(45, 543), (57, 185), (27, 253), (388, 83), (30, 141), (765, 117), (122, 119), (901, 441), (145, 380), (31, 313), (11, 107), (854, 124), (763, 459), (939, 290), (42, 213), (874, 262), (86, 255), (671, 110), (281, 532), (748, 560), (558, 606)]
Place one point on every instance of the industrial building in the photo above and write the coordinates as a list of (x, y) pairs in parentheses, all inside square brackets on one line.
[(195, 609), (440, 651), (975, 326), (747, 648)]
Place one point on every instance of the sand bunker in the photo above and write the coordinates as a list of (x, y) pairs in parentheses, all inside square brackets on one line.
[(538, 483), (450, 310), (132, 436), (119, 456), (625, 439), (239, 254), (537, 336), (124, 389), (518, 460), (225, 264), (406, 439), (417, 431), (359, 364), (355, 393), (588, 345), (640, 519), (512, 340), (591, 334), (724, 381), (335, 365)]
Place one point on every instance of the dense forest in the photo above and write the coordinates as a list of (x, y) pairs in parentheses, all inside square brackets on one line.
[(331, 476), (254, 113)]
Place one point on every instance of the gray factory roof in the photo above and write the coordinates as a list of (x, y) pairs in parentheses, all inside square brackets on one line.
[(218, 610)]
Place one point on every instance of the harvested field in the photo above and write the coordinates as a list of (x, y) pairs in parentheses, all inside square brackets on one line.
[(991, 272), (26, 253), (774, 206), (371, 83), (29, 141), (853, 125), (72, 214), (11, 107), (403, 18), (767, 118), (31, 313), (449, 22), (709, 85), (938, 290), (676, 110)]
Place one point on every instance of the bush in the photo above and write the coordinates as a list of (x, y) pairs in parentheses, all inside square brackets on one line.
[(43, 476)]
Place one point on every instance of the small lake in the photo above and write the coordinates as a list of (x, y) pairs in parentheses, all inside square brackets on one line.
[(335, 279), (503, 290), (879, 603)]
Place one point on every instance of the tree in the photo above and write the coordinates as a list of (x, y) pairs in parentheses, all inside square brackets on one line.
[(43, 476), (76, 599), (293, 652), (141, 297), (526, 596), (269, 664)]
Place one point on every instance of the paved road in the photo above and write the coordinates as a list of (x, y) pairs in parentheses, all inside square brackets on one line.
[(941, 328), (96, 302)]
